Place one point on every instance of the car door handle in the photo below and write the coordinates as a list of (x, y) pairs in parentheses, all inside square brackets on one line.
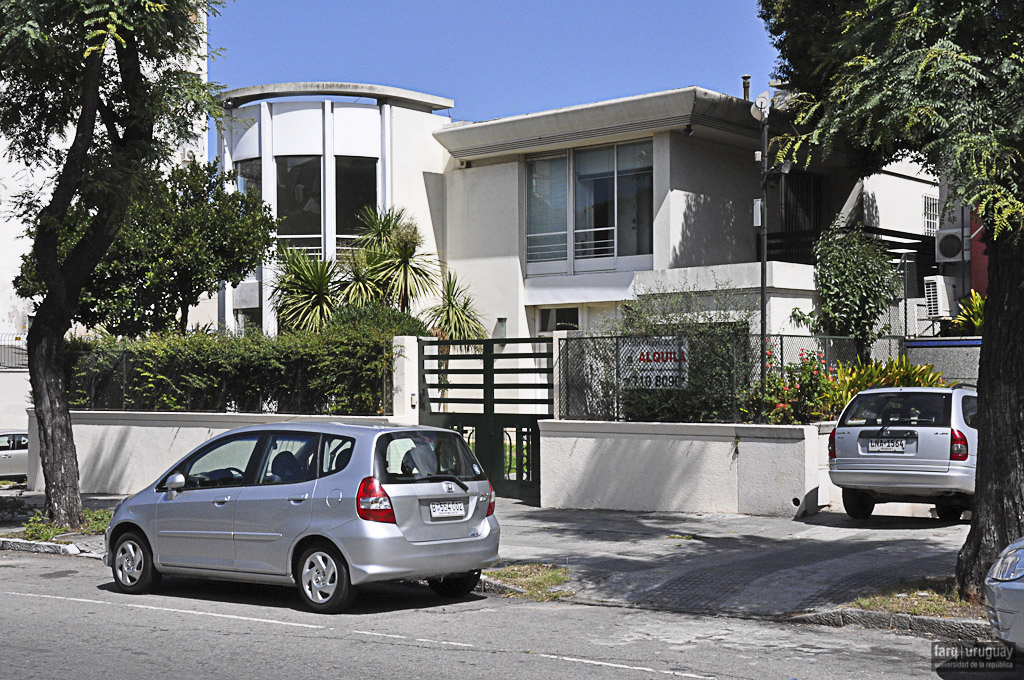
[(221, 501), (295, 500)]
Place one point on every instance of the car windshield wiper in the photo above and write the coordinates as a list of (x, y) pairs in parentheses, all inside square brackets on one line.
[(445, 478)]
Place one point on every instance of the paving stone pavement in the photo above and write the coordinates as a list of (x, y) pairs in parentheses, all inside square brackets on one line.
[(729, 564)]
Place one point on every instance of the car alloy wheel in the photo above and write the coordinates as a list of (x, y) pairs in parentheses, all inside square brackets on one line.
[(323, 580)]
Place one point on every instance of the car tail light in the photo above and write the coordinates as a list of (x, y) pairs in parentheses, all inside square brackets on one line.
[(373, 503), (490, 502), (957, 445), (832, 444)]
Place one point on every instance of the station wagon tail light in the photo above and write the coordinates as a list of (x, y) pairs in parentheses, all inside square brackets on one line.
[(832, 444), (957, 445), (490, 502), (373, 503)]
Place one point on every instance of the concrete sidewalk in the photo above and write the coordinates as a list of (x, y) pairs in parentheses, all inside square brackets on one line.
[(728, 564), (705, 564)]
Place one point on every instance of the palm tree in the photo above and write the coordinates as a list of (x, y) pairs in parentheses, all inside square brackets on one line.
[(307, 290), (379, 226), (360, 287), (403, 272), (455, 315)]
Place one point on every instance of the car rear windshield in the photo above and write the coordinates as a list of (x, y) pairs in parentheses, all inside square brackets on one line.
[(412, 456), (930, 409)]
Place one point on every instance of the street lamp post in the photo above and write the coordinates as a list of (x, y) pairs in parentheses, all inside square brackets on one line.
[(760, 110)]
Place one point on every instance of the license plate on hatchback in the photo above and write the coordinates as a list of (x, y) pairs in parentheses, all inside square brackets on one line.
[(447, 509), (887, 445)]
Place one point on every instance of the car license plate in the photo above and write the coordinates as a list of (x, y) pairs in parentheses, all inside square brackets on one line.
[(447, 509), (887, 445)]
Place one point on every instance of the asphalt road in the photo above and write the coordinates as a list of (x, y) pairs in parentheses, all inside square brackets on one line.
[(61, 617)]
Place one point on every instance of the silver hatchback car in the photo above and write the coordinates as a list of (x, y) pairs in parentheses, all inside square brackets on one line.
[(909, 444), (324, 507)]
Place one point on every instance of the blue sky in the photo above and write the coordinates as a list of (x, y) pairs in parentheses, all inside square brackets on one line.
[(496, 58)]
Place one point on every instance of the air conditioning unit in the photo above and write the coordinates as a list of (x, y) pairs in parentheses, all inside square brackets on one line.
[(953, 244), (939, 295)]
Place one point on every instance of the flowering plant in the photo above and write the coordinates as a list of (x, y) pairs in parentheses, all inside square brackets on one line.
[(796, 393)]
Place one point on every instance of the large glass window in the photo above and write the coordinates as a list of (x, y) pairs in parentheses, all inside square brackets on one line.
[(299, 201), (635, 199), (355, 187), (594, 228), (547, 209), (250, 176), (613, 204)]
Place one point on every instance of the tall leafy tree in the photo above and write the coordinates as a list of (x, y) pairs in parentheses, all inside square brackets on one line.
[(942, 82), (179, 241), (856, 283), (96, 95)]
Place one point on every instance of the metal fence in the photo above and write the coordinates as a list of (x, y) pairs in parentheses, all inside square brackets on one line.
[(709, 377), (13, 351)]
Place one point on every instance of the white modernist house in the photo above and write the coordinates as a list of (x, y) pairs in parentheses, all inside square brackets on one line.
[(319, 152), (554, 218)]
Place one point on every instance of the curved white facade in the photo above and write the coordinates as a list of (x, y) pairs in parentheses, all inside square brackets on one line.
[(316, 161)]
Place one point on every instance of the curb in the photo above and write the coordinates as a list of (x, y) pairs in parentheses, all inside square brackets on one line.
[(961, 629), (493, 585), (22, 545)]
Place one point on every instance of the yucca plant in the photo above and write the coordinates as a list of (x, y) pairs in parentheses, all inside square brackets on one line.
[(307, 290), (380, 226), (455, 315), (402, 271), (360, 287), (971, 318)]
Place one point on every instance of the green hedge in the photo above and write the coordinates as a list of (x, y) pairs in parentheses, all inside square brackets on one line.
[(345, 369)]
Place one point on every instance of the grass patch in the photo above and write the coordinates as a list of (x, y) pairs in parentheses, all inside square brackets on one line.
[(536, 579), (39, 528), (929, 597), (681, 537)]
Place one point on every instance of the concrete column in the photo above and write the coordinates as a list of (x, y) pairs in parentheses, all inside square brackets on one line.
[(328, 197), (556, 373), (662, 201), (406, 380), (384, 191), (269, 190)]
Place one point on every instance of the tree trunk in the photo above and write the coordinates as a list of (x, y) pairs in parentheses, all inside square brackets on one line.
[(56, 444), (998, 510)]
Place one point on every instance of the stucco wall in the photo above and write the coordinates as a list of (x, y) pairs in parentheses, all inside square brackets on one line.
[(15, 397), (484, 240), (711, 194), (679, 467), (958, 363), (123, 452)]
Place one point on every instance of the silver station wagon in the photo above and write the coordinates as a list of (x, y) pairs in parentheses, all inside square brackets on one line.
[(324, 507), (908, 444)]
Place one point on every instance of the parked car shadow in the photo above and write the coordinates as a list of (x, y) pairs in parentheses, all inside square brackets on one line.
[(374, 598)]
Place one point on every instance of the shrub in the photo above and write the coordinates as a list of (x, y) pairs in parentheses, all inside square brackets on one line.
[(899, 372), (344, 369), (802, 392)]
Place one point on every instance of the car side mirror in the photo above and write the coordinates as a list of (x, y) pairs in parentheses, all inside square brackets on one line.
[(175, 483)]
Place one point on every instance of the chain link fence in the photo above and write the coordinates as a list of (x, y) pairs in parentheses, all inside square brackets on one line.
[(694, 379), (13, 352)]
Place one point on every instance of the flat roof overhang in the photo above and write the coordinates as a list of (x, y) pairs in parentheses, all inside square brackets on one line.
[(708, 114), (383, 94)]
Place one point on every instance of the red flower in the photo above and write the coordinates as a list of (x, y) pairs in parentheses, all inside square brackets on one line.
[(797, 386), (814, 373)]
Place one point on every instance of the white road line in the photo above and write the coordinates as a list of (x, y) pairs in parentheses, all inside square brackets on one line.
[(169, 609), (444, 642), (384, 635), (607, 664)]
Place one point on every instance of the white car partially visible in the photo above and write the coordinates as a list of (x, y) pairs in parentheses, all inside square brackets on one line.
[(13, 454)]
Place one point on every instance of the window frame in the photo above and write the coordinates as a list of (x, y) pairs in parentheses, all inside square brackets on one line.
[(573, 264)]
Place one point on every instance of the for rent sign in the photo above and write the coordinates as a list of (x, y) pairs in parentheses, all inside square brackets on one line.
[(654, 363)]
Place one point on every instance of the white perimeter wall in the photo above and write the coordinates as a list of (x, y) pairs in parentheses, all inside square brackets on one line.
[(124, 452), (677, 467), (15, 398)]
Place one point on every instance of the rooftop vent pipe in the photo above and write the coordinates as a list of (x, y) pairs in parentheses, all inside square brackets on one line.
[(746, 88)]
